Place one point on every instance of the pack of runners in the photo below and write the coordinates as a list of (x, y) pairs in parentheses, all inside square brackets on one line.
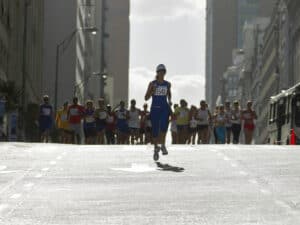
[(99, 123)]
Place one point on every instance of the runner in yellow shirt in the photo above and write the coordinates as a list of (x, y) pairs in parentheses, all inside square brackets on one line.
[(62, 124), (182, 121)]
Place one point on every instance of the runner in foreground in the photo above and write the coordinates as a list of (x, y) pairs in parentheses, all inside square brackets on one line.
[(160, 91)]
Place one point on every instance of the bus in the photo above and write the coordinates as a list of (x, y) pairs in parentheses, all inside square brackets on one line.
[(284, 116)]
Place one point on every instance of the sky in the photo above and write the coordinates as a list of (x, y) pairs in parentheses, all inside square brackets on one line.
[(171, 32)]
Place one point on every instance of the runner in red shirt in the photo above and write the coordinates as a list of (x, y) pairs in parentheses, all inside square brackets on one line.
[(110, 129), (75, 115)]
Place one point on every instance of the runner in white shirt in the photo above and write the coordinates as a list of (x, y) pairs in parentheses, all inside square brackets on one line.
[(174, 130), (193, 124), (203, 117), (134, 122)]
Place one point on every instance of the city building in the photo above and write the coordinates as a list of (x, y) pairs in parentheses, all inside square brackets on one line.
[(93, 56), (221, 18), (225, 22), (293, 17), (67, 49), (21, 37), (112, 59), (21, 46)]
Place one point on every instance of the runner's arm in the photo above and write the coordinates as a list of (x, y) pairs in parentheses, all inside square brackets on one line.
[(169, 95), (150, 91)]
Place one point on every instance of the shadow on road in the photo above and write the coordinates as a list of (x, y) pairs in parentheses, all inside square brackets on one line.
[(167, 167)]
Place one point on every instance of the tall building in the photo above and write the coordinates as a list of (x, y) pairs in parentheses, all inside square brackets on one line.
[(93, 40), (112, 59), (224, 32), (221, 19), (21, 46), (21, 37), (69, 28)]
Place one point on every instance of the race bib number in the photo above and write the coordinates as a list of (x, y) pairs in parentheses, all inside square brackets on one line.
[(74, 112), (46, 111), (183, 114), (102, 115), (110, 119), (161, 91), (90, 119), (64, 117)]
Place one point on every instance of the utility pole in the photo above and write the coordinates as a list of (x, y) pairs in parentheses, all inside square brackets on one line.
[(24, 66), (103, 35)]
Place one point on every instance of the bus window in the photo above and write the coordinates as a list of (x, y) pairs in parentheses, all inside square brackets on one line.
[(288, 110), (297, 112), (274, 117), (281, 112), (270, 113)]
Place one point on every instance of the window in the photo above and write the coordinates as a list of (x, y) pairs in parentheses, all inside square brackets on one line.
[(288, 110), (271, 113), (274, 116), (297, 111)]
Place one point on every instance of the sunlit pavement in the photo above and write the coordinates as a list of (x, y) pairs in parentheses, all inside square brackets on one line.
[(60, 184)]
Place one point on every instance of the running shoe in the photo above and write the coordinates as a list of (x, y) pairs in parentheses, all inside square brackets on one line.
[(156, 153), (164, 150)]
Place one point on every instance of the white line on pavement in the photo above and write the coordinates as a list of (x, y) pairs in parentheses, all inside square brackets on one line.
[(16, 180), (45, 169), (38, 175), (29, 185), (226, 158), (6, 172), (59, 158), (3, 168), (52, 163), (286, 206), (233, 165), (15, 196), (253, 181), (243, 173), (265, 192), (3, 207)]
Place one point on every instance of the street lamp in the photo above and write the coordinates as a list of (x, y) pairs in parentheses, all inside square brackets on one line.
[(67, 40), (95, 74)]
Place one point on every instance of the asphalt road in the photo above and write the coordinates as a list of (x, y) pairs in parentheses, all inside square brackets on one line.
[(44, 184)]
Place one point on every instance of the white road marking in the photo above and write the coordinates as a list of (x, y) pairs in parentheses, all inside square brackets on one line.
[(6, 172), (253, 181), (233, 165), (3, 168), (137, 168), (243, 173), (286, 206), (15, 196), (226, 158), (59, 158), (52, 163), (64, 153), (265, 192), (38, 175), (45, 169), (29, 185), (3, 207)]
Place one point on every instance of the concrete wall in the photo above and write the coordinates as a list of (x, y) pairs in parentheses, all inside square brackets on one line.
[(116, 50), (221, 28), (59, 22)]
